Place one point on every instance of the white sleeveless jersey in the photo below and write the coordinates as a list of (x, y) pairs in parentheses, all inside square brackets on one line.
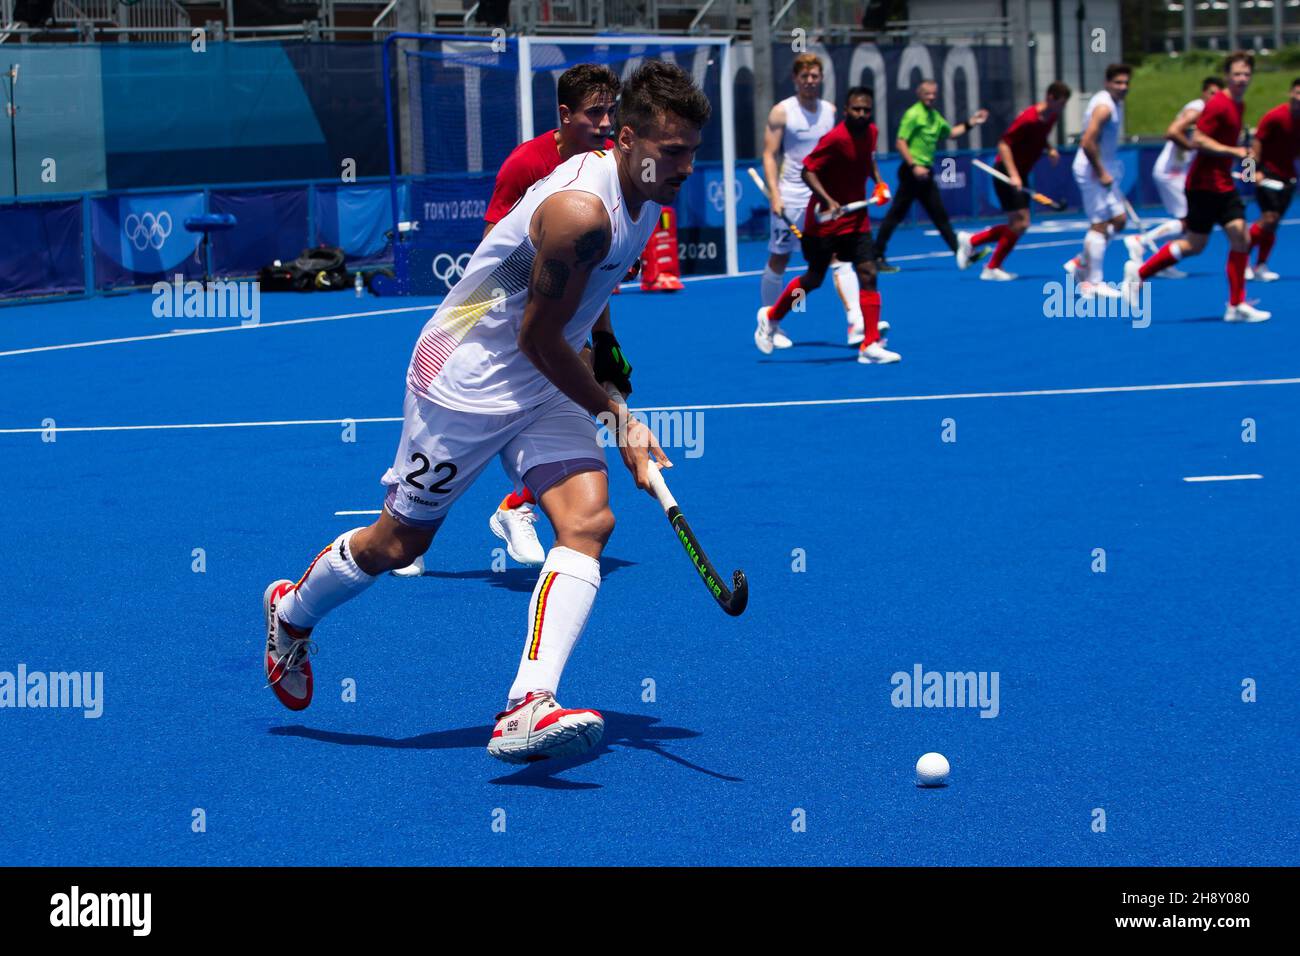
[(1108, 143), (468, 357), (1173, 159), (802, 131)]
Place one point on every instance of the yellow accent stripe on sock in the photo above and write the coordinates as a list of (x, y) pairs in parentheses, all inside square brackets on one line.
[(535, 641), (312, 565)]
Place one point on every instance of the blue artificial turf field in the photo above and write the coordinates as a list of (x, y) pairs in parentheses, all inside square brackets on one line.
[(1119, 690)]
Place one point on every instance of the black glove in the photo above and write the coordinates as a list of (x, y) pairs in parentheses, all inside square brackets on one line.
[(608, 362)]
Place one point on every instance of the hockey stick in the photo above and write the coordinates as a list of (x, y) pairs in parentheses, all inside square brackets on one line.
[(762, 186), (1057, 205), (732, 600), (825, 216), (1275, 185)]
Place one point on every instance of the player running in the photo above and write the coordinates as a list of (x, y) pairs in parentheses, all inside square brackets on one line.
[(496, 372), (794, 126), (1212, 196), (1277, 142), (919, 133), (1018, 150), (1170, 177), (1098, 171), (836, 171), (587, 94)]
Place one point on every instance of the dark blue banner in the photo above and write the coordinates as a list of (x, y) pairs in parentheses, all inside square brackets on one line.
[(270, 224), (41, 248)]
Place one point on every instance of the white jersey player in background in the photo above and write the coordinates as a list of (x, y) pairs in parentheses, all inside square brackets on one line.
[(1170, 176), (496, 372), (794, 127), (1098, 173)]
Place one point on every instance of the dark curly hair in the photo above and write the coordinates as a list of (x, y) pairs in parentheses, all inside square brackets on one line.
[(659, 87)]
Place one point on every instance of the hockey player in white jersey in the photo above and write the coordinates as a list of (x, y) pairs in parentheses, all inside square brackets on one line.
[(496, 372), (1098, 172), (794, 127)]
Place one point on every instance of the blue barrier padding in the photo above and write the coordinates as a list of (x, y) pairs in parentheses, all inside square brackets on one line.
[(41, 248), (355, 219), (272, 225)]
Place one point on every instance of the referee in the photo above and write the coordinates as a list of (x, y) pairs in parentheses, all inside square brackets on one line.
[(919, 133)]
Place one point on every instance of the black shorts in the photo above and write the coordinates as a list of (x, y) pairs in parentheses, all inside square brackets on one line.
[(1207, 209), (853, 247), (1274, 200), (1012, 199)]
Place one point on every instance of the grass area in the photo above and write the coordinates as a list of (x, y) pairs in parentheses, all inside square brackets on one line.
[(1161, 85)]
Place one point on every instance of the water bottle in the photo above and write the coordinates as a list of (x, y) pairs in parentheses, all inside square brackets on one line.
[(359, 285)]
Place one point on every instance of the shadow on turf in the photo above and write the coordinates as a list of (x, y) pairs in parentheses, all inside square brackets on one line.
[(634, 731), (522, 580)]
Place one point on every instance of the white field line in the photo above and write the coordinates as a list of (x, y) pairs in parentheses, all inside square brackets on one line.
[(809, 403)]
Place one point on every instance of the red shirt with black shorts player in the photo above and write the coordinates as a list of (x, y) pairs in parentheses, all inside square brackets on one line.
[(842, 162), (1279, 143), (1027, 138), (1212, 197)]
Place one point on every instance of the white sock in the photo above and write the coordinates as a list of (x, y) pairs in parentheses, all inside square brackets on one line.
[(772, 285), (846, 281), (1094, 244), (557, 614), (1166, 230), (330, 580)]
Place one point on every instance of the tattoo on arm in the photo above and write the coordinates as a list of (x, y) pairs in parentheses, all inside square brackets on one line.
[(551, 278), (590, 245)]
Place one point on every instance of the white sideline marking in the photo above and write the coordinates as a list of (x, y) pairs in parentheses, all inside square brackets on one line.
[(177, 333), (807, 403), (375, 512), (1222, 477)]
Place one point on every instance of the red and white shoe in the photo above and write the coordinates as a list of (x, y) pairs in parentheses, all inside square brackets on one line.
[(288, 671), (539, 728)]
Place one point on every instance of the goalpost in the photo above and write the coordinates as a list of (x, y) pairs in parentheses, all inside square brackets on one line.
[(457, 105)]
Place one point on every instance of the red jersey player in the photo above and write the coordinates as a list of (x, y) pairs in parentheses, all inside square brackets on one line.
[(587, 94), (1018, 150), (1277, 142), (1212, 197), (837, 171)]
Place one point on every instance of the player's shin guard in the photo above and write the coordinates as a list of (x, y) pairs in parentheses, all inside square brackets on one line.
[(869, 302), (557, 614), (1167, 255), (846, 281), (1172, 229), (1006, 242), (1262, 239), (785, 301), (331, 579), (991, 234), (770, 286), (1237, 262), (1094, 244)]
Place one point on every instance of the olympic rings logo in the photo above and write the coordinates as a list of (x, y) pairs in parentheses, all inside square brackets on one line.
[(148, 229), (449, 269), (716, 192)]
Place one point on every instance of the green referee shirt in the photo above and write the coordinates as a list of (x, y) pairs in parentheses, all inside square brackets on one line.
[(921, 128)]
